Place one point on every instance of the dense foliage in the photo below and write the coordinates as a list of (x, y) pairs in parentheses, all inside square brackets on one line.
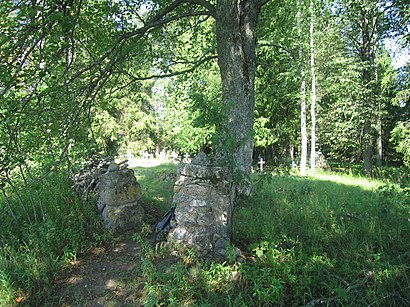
[(126, 77), (73, 79)]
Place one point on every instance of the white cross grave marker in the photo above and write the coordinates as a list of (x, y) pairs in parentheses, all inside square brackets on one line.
[(187, 158), (261, 163)]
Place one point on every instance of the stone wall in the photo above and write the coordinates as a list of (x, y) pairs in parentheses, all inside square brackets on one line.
[(203, 203), (119, 194)]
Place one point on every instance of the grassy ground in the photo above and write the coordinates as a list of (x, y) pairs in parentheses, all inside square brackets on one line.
[(157, 184), (339, 239), (41, 238), (330, 239)]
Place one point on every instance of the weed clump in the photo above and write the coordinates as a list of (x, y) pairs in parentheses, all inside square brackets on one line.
[(33, 254)]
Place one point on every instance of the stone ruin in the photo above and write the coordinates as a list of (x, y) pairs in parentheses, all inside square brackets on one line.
[(202, 195), (85, 181), (118, 192)]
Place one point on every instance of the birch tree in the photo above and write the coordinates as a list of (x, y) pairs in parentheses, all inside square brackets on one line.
[(303, 130), (313, 99)]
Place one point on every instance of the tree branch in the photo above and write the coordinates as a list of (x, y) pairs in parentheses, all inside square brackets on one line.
[(290, 52), (205, 4), (168, 75), (262, 2), (157, 23), (154, 22)]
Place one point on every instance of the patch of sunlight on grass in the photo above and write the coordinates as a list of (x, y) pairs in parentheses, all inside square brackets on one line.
[(157, 183), (361, 182)]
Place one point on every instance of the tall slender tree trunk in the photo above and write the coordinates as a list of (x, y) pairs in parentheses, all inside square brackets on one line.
[(235, 32), (379, 120), (368, 147), (365, 53), (303, 154), (313, 102), (379, 141), (303, 132)]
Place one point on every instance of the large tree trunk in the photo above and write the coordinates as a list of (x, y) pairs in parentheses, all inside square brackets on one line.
[(235, 31)]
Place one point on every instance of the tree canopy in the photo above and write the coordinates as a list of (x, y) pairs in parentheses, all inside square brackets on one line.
[(84, 76)]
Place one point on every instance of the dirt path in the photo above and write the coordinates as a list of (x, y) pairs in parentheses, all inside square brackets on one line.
[(108, 276)]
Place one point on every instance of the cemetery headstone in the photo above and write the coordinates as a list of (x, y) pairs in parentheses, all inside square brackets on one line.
[(145, 155), (320, 160), (162, 155), (174, 156), (187, 158)]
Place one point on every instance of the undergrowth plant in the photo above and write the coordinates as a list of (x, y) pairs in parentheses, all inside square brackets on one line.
[(32, 255), (329, 239), (185, 280), (339, 239)]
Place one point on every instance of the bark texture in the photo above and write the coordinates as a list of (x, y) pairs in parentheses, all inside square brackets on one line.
[(235, 31), (367, 58)]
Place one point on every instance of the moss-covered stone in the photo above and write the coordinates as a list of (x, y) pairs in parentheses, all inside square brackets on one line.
[(118, 188), (123, 217), (203, 204), (119, 194)]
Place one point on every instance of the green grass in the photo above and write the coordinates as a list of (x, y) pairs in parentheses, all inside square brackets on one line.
[(157, 183), (332, 239), (32, 255), (347, 238)]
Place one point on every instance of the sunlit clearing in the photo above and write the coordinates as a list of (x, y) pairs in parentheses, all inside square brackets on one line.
[(364, 183)]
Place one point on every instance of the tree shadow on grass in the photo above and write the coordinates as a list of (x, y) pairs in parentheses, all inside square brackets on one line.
[(346, 240)]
